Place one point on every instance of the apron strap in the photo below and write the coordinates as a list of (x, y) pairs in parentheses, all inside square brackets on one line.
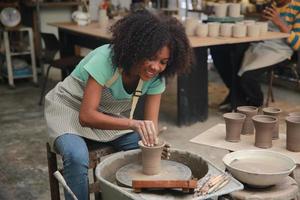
[(113, 78), (137, 93), (135, 97)]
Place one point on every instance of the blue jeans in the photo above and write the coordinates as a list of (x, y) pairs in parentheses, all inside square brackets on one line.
[(75, 156)]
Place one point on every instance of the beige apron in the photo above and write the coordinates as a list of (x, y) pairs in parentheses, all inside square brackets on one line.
[(266, 53), (62, 105)]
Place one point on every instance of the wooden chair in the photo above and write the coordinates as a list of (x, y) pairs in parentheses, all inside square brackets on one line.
[(95, 155), (270, 94), (293, 67)]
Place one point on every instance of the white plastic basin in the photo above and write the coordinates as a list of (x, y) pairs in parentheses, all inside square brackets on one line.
[(259, 168)]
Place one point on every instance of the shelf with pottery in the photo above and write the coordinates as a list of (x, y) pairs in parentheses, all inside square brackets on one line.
[(211, 41), (52, 4), (226, 19), (95, 30), (215, 33), (247, 28), (218, 31)]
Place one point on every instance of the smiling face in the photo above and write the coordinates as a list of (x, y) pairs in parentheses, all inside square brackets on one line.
[(153, 66)]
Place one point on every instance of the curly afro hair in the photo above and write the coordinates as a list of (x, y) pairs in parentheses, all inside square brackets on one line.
[(140, 35)]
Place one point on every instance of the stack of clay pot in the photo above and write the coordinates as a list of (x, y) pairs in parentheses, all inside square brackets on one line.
[(222, 10), (246, 28), (247, 121)]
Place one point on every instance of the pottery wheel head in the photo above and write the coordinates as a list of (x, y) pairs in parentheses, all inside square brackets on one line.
[(170, 170)]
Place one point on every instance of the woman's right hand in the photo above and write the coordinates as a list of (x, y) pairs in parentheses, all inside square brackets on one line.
[(147, 131)]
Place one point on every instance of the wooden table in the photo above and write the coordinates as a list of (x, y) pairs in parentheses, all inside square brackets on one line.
[(192, 88)]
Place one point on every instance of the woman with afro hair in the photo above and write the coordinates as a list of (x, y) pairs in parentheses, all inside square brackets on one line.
[(95, 103)]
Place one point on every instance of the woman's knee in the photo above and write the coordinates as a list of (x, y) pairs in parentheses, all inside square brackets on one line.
[(76, 156), (73, 150)]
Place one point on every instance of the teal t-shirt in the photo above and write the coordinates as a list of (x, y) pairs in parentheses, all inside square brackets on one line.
[(98, 64)]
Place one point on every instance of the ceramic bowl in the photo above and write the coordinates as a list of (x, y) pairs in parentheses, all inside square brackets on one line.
[(259, 168), (294, 114)]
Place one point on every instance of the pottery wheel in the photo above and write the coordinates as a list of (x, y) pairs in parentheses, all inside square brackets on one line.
[(170, 170)]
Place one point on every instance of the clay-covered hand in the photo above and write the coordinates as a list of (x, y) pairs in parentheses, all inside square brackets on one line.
[(166, 152), (146, 130)]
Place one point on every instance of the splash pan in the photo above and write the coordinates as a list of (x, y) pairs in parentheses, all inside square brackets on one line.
[(200, 168)]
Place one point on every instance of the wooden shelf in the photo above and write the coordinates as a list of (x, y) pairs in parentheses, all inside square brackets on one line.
[(6, 4), (52, 4), (195, 10), (20, 53)]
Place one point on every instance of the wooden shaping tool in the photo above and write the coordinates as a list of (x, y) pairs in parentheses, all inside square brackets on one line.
[(187, 186)]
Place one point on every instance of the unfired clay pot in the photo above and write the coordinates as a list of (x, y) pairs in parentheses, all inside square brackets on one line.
[(294, 114), (234, 124), (253, 30), (293, 133), (264, 126), (220, 9), (234, 10), (213, 29), (202, 30), (276, 113), (263, 27), (151, 157), (226, 29), (190, 26), (239, 30), (249, 111)]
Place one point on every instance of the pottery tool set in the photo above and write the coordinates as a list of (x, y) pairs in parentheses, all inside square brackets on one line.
[(211, 184)]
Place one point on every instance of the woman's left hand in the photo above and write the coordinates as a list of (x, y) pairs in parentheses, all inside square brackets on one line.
[(270, 13)]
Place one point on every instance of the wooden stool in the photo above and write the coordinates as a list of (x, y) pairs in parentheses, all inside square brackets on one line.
[(95, 155), (286, 190)]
